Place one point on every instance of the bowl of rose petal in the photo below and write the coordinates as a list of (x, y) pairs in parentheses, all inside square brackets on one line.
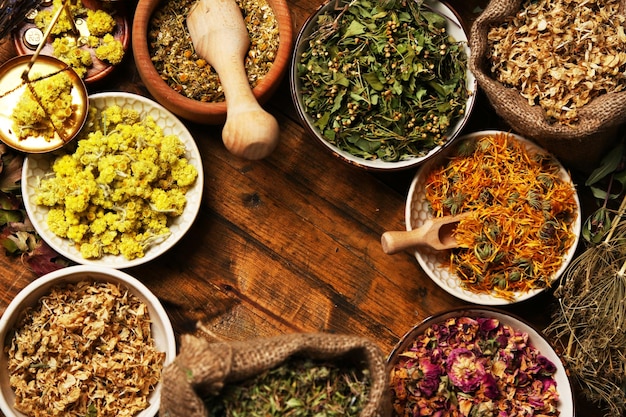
[(478, 362)]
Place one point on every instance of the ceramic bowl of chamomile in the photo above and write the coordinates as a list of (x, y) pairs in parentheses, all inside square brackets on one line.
[(39, 167), (370, 105), (518, 372), (191, 91), (523, 211), (73, 304)]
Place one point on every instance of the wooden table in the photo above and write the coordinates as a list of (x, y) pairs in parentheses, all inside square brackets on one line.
[(291, 243)]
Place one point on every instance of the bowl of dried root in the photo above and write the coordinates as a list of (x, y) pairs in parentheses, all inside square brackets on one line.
[(555, 71), (84, 341)]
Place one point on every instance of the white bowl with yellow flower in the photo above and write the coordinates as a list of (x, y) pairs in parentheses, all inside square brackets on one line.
[(126, 191)]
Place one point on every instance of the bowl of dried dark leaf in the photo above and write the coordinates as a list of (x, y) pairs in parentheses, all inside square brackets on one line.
[(383, 86), (84, 340), (182, 81)]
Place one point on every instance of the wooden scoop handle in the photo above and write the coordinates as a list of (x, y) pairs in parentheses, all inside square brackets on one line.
[(436, 233), (219, 35), (397, 241)]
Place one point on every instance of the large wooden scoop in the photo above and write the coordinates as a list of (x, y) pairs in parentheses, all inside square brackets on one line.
[(219, 35), (436, 233)]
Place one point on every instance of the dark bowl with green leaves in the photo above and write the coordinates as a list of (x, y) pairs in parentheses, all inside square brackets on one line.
[(383, 85)]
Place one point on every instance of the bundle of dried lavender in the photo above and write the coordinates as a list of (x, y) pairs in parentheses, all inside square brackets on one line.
[(13, 12)]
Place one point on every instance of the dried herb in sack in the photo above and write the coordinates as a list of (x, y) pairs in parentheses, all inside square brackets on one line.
[(298, 387), (589, 131), (204, 369)]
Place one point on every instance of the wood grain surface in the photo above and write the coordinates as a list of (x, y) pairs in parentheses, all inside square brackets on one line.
[(291, 243)]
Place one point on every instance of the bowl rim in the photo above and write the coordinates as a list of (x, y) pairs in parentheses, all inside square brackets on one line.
[(454, 20), (11, 70), (193, 110), (71, 274), (189, 215), (535, 336), (485, 299), (100, 69)]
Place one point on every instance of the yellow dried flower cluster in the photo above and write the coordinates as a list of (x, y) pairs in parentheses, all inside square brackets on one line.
[(561, 54), (86, 349), (117, 192), (99, 23), (63, 24), (110, 49), (72, 50), (55, 94), (66, 50)]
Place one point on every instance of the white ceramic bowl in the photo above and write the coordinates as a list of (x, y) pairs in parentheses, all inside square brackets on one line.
[(417, 211), (453, 27), (162, 331), (35, 166), (535, 339)]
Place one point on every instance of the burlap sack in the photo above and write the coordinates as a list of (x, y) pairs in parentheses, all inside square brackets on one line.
[(580, 147), (204, 367)]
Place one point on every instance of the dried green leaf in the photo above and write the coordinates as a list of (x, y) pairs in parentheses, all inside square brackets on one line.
[(608, 165)]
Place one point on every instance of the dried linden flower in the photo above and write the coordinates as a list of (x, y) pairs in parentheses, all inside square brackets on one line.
[(85, 349)]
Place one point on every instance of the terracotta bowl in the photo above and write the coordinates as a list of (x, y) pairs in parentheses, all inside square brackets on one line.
[(194, 110)]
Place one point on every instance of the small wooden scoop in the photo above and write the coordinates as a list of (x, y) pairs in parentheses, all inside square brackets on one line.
[(219, 35), (436, 233)]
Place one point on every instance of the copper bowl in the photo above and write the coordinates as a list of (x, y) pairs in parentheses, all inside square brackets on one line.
[(99, 69), (194, 110)]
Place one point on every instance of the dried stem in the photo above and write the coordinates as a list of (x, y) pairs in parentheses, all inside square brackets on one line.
[(617, 220)]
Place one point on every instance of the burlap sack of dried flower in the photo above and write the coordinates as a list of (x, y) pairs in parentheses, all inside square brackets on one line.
[(555, 74), (203, 368)]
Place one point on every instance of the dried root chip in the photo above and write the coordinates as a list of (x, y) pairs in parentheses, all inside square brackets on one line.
[(86, 349), (561, 54)]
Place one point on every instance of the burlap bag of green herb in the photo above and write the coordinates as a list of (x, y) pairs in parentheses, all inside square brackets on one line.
[(203, 367), (578, 147)]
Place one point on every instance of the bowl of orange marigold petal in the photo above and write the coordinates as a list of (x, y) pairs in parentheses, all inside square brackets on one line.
[(477, 362), (522, 220)]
